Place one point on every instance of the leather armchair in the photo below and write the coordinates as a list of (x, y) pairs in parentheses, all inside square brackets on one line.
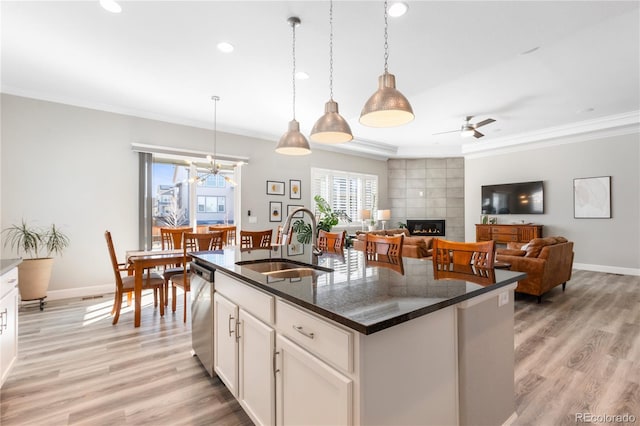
[(547, 261)]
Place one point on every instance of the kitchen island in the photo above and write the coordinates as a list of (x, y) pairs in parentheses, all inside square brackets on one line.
[(353, 343)]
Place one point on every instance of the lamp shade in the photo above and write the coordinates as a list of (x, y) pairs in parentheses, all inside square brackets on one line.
[(366, 214), (383, 214), (387, 107), (331, 128), (293, 142)]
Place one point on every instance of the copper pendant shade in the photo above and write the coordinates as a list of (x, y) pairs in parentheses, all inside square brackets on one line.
[(293, 142), (387, 107), (331, 128)]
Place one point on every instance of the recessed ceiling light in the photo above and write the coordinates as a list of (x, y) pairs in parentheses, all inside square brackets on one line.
[(301, 75), (225, 47), (398, 9), (111, 6), (526, 52), (582, 111)]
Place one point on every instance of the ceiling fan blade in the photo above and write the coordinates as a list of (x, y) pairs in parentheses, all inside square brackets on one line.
[(477, 134), (484, 122), (442, 133)]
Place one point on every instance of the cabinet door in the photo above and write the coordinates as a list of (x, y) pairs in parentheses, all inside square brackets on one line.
[(9, 330), (308, 391), (257, 382), (483, 233), (225, 350)]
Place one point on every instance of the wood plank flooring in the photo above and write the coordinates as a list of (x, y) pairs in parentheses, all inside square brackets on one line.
[(576, 352)]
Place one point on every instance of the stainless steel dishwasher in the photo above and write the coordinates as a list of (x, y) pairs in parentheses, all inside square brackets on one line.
[(202, 315)]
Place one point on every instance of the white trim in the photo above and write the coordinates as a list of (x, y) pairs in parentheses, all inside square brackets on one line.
[(512, 418), (608, 269), (182, 153), (70, 293)]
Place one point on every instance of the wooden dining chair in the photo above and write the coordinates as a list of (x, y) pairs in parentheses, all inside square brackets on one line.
[(385, 251), (171, 240), (331, 240), (124, 284), (255, 239), (279, 235), (192, 242), (384, 244), (230, 233), (482, 276), (480, 254)]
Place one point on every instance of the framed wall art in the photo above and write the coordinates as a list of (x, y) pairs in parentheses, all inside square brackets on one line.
[(275, 188), (291, 208), (275, 211), (295, 189), (592, 198)]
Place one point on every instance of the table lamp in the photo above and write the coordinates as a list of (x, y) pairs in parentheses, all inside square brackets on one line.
[(366, 215), (384, 216)]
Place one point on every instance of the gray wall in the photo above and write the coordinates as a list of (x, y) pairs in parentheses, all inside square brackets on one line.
[(609, 245), (75, 167), (428, 188)]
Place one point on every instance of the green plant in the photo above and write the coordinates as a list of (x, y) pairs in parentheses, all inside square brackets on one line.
[(30, 240), (302, 230), (328, 217), (402, 225)]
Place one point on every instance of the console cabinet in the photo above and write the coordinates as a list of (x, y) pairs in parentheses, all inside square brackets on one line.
[(508, 233)]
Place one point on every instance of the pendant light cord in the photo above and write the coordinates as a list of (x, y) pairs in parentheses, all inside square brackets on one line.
[(331, 49), (293, 26), (215, 130), (386, 39)]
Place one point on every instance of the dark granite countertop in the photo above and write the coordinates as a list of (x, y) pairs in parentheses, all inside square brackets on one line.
[(8, 264), (356, 294)]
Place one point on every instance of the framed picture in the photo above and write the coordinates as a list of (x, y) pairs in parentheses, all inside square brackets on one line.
[(291, 208), (295, 189), (592, 198), (295, 248), (275, 211), (275, 188)]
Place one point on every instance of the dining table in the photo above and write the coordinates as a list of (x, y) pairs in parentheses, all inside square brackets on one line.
[(139, 260)]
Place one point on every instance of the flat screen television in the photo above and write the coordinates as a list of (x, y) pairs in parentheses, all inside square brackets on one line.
[(513, 198)]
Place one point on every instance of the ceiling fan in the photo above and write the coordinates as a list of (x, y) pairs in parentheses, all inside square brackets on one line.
[(214, 168), (470, 129)]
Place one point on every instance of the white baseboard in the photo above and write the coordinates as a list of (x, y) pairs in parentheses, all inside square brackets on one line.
[(512, 418), (607, 269), (69, 293)]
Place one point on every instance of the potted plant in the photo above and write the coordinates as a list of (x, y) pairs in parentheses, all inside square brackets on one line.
[(34, 273), (327, 219)]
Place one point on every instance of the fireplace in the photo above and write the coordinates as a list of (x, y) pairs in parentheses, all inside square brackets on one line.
[(426, 227)]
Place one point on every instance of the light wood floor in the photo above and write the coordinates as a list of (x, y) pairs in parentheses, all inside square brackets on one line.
[(577, 352)]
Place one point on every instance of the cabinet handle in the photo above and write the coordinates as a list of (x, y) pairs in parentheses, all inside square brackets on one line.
[(275, 369), (237, 331), (300, 330), (11, 281), (3, 320), (231, 318)]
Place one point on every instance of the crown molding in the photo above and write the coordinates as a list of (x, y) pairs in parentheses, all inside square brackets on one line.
[(613, 125)]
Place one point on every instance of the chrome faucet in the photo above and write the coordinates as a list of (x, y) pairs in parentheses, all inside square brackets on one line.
[(314, 229)]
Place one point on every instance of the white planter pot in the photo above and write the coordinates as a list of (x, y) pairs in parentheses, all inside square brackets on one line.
[(33, 278)]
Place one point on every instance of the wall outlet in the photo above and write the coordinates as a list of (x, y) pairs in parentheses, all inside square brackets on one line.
[(253, 219), (503, 298)]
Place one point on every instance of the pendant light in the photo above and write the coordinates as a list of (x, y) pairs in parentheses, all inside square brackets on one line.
[(387, 107), (331, 128), (293, 142)]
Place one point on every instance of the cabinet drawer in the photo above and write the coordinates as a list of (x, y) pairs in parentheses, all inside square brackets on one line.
[(503, 230), (259, 304), (323, 339), (8, 281), (505, 237)]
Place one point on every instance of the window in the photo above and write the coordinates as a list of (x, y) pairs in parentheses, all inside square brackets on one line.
[(214, 181), (211, 204), (350, 192)]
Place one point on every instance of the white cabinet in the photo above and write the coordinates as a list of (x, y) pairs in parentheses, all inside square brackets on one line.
[(309, 391), (244, 347), (8, 322), (225, 354), (256, 395)]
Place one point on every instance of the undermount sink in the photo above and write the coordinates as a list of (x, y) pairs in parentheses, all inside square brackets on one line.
[(283, 268)]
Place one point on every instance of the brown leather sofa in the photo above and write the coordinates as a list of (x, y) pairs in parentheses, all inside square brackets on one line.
[(411, 246), (547, 262)]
